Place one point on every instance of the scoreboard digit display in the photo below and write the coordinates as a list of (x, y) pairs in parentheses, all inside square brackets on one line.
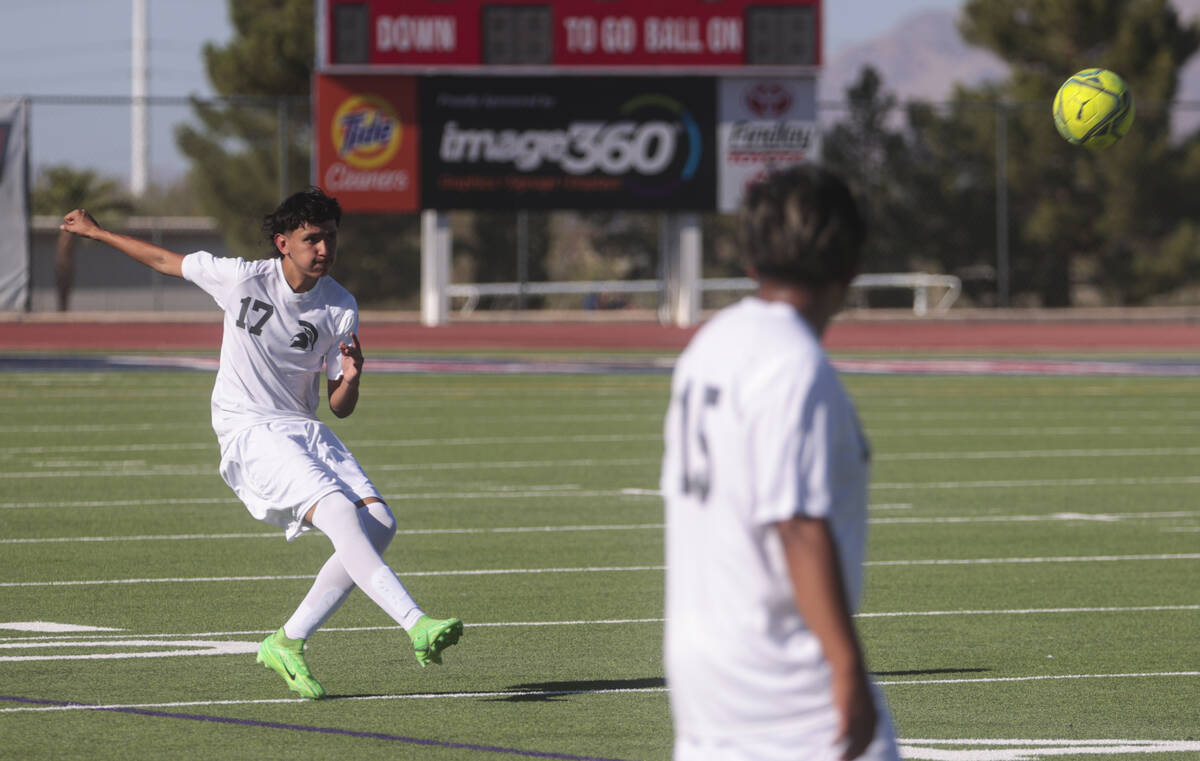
[(473, 36), (780, 36), (517, 35)]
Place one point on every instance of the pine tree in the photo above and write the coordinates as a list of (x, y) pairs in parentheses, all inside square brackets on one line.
[(264, 75), (1121, 214)]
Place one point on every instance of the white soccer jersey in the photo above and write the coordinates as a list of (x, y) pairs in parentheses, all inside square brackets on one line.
[(276, 342), (759, 430)]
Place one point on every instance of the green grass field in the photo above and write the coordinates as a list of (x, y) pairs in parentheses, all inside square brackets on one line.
[(1034, 571)]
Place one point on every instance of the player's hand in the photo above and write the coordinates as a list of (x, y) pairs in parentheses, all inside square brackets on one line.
[(352, 358), (857, 715), (80, 223)]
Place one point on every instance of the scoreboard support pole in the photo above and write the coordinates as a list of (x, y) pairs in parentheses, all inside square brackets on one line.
[(435, 268), (681, 249), (687, 297)]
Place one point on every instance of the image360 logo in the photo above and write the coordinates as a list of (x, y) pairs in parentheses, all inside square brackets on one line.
[(677, 125), (654, 144), (366, 131)]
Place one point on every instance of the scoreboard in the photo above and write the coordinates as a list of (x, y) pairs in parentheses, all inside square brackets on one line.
[(416, 36), (667, 105)]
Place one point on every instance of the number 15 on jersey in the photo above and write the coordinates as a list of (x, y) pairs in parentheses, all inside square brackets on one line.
[(696, 464)]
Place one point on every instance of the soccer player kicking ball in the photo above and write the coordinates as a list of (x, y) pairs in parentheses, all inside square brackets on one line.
[(765, 482), (286, 323)]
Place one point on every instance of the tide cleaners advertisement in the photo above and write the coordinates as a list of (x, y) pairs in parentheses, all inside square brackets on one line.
[(367, 141)]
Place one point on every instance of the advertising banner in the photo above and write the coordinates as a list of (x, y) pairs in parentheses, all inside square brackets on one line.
[(764, 124), (14, 205), (366, 142), (568, 143)]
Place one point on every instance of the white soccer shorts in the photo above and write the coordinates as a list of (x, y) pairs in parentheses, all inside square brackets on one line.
[(281, 469), (813, 742)]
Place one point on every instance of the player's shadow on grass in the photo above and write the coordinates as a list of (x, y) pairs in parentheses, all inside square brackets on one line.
[(555, 691), (928, 672)]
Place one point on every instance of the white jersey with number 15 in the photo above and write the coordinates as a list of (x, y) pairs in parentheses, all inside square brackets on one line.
[(759, 430)]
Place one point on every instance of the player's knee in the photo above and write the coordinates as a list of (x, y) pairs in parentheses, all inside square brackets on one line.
[(380, 525)]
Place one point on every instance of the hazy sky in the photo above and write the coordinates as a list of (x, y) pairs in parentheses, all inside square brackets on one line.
[(81, 47)]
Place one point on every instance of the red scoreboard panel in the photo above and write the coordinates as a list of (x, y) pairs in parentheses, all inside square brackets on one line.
[(357, 36)]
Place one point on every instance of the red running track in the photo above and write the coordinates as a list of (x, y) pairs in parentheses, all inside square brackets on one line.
[(846, 335)]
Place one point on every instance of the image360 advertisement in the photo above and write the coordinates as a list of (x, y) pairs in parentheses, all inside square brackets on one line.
[(568, 143)]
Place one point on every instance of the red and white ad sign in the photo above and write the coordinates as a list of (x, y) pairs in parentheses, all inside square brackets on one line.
[(367, 140), (763, 124)]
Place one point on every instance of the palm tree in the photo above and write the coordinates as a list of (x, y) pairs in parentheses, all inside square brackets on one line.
[(59, 189)]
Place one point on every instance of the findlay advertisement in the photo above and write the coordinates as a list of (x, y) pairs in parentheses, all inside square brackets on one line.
[(367, 142), (765, 124), (568, 143)]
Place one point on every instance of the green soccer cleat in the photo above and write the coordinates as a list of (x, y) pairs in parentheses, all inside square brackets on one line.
[(286, 657), (431, 636)]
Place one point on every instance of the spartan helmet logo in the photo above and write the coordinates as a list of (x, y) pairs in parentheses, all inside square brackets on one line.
[(306, 338)]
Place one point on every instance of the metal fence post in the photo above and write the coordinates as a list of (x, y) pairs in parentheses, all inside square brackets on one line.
[(282, 110), (522, 255), (1002, 266)]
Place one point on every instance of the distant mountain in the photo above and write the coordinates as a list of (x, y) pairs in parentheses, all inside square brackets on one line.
[(923, 57)]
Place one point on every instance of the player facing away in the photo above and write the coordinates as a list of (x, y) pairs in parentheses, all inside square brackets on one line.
[(764, 477), (286, 324)]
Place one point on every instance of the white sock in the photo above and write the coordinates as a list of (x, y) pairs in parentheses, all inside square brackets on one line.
[(358, 536), (333, 585)]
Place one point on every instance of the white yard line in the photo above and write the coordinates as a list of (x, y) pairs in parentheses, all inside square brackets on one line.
[(515, 464), (278, 535), (1038, 482), (548, 693), (309, 577), (167, 470), (1050, 517), (1040, 678), (1032, 430), (595, 569), (119, 503), (926, 520), (109, 448), (1007, 561), (1040, 454), (414, 696), (1026, 611), (875, 416), (65, 636), (1002, 454)]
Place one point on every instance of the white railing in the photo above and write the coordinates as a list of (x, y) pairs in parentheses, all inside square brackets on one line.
[(922, 285)]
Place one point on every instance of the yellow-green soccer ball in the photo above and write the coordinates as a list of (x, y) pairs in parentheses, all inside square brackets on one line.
[(1094, 108)]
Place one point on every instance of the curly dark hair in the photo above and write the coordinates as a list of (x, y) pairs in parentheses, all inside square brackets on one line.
[(310, 206), (801, 225)]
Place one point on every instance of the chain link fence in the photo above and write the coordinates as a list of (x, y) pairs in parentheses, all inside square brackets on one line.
[(970, 230)]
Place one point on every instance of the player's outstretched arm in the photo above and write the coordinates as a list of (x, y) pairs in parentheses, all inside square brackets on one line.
[(812, 560), (155, 257)]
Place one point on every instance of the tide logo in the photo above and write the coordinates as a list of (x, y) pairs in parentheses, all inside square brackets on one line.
[(366, 131)]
